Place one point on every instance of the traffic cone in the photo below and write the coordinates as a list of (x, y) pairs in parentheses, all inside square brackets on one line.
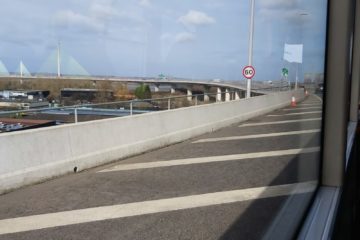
[(293, 101)]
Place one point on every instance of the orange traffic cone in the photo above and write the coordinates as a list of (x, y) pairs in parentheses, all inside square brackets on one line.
[(293, 101)]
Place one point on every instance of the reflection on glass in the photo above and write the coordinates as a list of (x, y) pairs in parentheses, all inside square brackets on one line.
[(263, 171)]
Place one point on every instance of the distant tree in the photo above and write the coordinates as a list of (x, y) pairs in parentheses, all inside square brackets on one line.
[(120, 90), (143, 92), (104, 93)]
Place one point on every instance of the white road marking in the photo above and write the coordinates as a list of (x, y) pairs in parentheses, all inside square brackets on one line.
[(223, 158), (279, 122), (310, 104), (293, 109), (290, 114), (58, 219), (312, 101), (256, 136), (319, 98)]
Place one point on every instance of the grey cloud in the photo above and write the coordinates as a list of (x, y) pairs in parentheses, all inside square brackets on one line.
[(70, 19), (184, 37), (103, 11), (145, 3), (277, 3), (290, 15), (196, 18)]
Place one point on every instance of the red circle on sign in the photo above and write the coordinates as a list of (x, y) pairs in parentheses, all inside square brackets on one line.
[(249, 72)]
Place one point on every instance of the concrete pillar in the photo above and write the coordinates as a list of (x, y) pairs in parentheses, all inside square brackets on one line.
[(156, 88), (172, 89), (206, 97), (207, 90), (227, 95), (218, 95), (237, 95), (189, 95)]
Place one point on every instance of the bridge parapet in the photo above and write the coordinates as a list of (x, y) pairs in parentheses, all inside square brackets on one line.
[(36, 155)]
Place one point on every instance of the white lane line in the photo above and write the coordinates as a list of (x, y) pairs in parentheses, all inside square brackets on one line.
[(310, 104), (314, 101), (256, 136), (293, 109), (319, 98), (290, 114), (223, 158), (279, 122), (36, 222)]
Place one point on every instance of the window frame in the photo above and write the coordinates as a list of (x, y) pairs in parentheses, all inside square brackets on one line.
[(340, 116)]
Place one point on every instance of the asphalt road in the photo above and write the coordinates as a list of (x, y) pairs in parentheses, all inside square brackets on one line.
[(209, 187)]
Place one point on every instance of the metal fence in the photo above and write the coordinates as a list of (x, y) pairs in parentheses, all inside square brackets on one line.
[(125, 108)]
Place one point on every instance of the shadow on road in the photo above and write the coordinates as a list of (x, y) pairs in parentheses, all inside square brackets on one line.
[(279, 217)]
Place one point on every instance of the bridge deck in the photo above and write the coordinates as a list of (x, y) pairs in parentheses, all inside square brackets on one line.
[(228, 184)]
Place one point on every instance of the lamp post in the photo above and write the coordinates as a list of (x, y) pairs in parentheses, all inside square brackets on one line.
[(301, 14), (251, 36), (58, 60)]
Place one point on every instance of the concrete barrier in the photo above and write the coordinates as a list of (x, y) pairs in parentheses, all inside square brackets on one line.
[(36, 155)]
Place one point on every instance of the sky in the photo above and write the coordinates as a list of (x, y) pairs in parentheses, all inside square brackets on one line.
[(203, 39)]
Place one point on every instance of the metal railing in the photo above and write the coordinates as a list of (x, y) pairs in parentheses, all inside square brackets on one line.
[(129, 107)]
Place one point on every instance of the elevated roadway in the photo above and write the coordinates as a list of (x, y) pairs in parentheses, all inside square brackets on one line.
[(174, 83), (229, 184)]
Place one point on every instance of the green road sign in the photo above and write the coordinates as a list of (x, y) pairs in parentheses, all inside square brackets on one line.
[(285, 72)]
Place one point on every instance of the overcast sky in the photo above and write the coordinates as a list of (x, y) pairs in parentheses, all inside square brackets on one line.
[(203, 39)]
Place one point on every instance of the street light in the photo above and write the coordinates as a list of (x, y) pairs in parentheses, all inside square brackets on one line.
[(301, 14), (58, 60), (251, 36)]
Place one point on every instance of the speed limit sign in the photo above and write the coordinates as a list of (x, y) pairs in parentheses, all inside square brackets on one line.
[(249, 72)]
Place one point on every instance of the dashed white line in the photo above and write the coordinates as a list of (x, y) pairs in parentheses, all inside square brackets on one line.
[(290, 114), (310, 104), (319, 98), (305, 108), (279, 122), (58, 219), (256, 136), (223, 158)]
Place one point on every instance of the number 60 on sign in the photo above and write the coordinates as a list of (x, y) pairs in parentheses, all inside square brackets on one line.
[(249, 72)]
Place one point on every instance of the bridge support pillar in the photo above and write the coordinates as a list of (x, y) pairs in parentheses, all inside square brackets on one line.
[(227, 95), (206, 97), (237, 95), (218, 95), (156, 88), (172, 89), (189, 95), (207, 90)]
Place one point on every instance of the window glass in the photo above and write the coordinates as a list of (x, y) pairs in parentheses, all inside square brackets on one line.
[(239, 160)]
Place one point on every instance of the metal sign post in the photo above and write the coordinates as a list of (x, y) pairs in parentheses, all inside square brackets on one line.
[(248, 73), (285, 74), (251, 36)]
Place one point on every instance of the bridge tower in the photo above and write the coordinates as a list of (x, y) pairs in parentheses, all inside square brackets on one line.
[(58, 60)]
